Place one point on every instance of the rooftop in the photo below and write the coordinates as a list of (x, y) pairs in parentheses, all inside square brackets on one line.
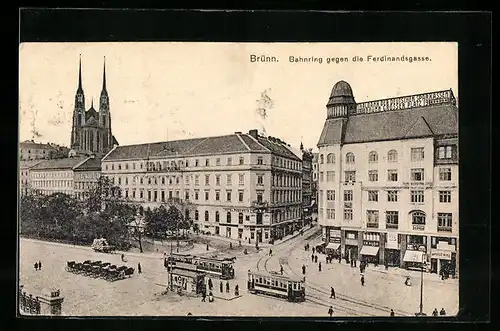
[(84, 164)]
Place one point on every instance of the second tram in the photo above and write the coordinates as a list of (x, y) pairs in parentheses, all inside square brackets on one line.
[(289, 288)]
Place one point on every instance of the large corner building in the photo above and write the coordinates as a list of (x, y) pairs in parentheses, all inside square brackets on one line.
[(388, 179)]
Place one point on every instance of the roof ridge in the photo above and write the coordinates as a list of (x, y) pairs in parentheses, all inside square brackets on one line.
[(258, 142), (415, 124), (244, 143)]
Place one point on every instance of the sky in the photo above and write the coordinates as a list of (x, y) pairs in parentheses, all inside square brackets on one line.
[(168, 91)]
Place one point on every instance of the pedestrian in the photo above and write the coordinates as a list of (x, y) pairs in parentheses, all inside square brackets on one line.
[(312, 257), (39, 265), (221, 287), (165, 262), (248, 240), (386, 264), (305, 247), (392, 313), (189, 314), (139, 270), (227, 287), (315, 258), (36, 266), (239, 242), (435, 312), (204, 296), (270, 252), (210, 297), (207, 247), (332, 293), (230, 245), (340, 258), (210, 284), (354, 262), (319, 266), (362, 280), (123, 257), (330, 311), (303, 269), (281, 269), (313, 250), (236, 290), (442, 312)]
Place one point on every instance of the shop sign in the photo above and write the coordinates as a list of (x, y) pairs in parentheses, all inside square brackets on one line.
[(419, 227), (444, 246), (440, 254), (392, 237), (335, 234), (351, 235), (335, 240), (370, 243), (351, 242)]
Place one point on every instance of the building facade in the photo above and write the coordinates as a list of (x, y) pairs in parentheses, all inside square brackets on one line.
[(64, 175), (24, 175), (388, 179), (31, 150), (314, 183), (91, 130), (307, 183), (241, 186)]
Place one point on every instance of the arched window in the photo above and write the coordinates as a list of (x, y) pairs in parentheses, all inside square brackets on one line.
[(206, 215), (321, 159), (349, 158), (373, 157), (228, 217), (418, 217), (196, 215), (217, 216), (392, 156), (240, 218), (330, 158)]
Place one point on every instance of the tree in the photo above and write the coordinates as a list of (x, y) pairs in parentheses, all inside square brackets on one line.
[(103, 192)]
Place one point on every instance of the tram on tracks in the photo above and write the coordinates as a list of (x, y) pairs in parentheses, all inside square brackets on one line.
[(289, 288), (218, 267)]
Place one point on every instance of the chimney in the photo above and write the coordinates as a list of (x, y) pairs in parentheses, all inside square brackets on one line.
[(254, 133), (237, 132)]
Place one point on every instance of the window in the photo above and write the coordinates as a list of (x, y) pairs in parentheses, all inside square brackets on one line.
[(330, 176), (229, 179), (320, 195), (228, 217), (372, 218), (163, 196), (392, 196), (187, 179), (217, 180), (445, 174), (240, 196), (207, 179), (228, 195), (444, 222), (177, 179), (163, 180), (445, 196), (207, 162), (217, 195), (217, 161), (260, 160), (187, 195), (259, 197), (119, 181), (321, 159), (417, 154), (348, 214), (196, 195), (206, 216), (207, 195), (240, 218), (392, 175), (119, 167), (260, 179), (156, 195), (259, 218), (373, 175), (373, 196), (330, 158), (196, 162), (170, 194), (417, 196), (330, 195), (392, 156), (217, 216), (348, 195), (141, 194), (417, 174), (330, 214), (242, 160), (349, 158), (418, 217), (149, 195), (373, 157), (392, 219), (241, 179), (229, 161), (444, 152), (196, 180), (350, 176), (321, 178), (196, 215)]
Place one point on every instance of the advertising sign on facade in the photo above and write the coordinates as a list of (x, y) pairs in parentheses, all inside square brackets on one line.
[(334, 233), (440, 254), (392, 240)]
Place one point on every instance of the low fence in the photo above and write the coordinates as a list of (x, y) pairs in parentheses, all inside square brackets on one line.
[(49, 302), (29, 304)]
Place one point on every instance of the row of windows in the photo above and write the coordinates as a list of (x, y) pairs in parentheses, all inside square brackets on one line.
[(285, 196), (392, 196), (416, 174), (157, 195), (285, 163), (51, 174), (176, 164), (53, 183), (171, 180), (285, 180)]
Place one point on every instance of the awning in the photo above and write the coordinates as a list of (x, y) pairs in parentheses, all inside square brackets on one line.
[(369, 250), (413, 256), (333, 246)]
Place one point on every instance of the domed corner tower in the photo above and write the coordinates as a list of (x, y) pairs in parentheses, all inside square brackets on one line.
[(341, 102)]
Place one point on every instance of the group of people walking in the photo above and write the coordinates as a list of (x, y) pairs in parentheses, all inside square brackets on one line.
[(38, 265), (221, 288)]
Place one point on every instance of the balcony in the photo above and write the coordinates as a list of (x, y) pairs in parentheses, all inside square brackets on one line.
[(391, 226), (444, 228), (372, 225)]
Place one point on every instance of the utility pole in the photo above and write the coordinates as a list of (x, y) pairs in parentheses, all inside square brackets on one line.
[(421, 312)]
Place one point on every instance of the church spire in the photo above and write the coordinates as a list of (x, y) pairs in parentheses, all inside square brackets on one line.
[(104, 76), (80, 88)]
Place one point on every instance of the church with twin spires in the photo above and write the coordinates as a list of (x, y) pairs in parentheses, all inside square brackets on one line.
[(91, 130)]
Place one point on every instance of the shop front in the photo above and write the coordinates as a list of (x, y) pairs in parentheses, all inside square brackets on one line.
[(351, 245), (370, 249), (443, 256), (415, 254), (392, 251), (334, 240)]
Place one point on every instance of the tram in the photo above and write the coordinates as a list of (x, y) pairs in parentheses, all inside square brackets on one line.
[(289, 288), (218, 267)]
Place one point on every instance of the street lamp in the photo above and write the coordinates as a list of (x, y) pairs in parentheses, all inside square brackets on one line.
[(421, 313)]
